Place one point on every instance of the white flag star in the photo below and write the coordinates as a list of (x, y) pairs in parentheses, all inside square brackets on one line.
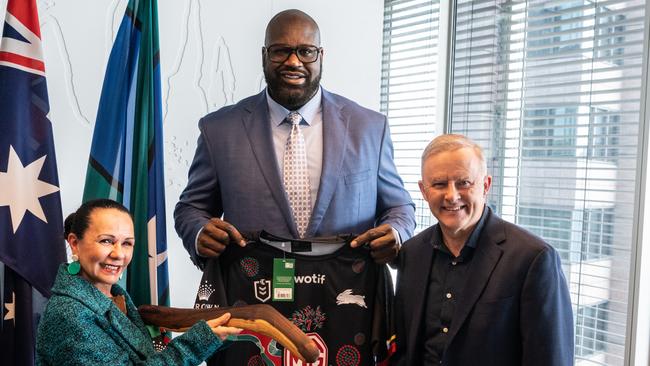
[(21, 188), (11, 309)]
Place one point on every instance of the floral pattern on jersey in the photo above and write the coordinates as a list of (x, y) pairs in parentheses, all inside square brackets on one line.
[(348, 355), (250, 266), (308, 319)]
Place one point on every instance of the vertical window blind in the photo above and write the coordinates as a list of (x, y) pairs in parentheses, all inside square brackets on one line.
[(408, 86), (551, 90)]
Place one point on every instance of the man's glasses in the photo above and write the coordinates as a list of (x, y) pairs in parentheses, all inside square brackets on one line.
[(306, 54)]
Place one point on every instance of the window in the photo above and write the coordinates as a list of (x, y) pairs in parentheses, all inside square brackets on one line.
[(604, 133), (551, 90), (408, 87), (591, 330), (598, 233), (549, 132), (552, 224)]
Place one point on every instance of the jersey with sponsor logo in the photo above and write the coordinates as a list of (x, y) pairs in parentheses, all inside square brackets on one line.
[(341, 300)]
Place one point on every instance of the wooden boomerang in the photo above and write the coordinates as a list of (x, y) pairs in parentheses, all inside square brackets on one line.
[(260, 318)]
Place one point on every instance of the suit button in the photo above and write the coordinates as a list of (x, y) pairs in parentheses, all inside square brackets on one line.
[(445, 330), (454, 263), (448, 295)]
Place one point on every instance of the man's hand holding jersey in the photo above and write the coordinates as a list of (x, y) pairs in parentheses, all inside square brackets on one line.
[(217, 234), (383, 241)]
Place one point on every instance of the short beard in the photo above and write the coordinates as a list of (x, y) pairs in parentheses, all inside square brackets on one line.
[(292, 100)]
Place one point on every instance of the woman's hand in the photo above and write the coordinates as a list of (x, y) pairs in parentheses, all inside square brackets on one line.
[(221, 331)]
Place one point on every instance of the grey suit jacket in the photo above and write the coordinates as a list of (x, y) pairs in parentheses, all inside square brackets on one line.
[(515, 309), (235, 174)]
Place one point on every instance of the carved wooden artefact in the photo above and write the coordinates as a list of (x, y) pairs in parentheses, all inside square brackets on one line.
[(260, 318)]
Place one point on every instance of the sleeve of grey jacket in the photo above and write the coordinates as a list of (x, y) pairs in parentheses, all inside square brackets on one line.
[(200, 200), (394, 204), (546, 317)]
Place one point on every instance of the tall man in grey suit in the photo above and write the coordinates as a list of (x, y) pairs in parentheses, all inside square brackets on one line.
[(236, 179), (474, 289)]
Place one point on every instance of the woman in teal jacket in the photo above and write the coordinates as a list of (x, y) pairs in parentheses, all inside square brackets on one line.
[(90, 320)]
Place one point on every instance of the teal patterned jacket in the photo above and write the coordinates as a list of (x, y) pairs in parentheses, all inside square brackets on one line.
[(81, 326)]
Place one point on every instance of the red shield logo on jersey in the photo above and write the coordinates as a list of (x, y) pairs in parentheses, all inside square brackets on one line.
[(291, 360)]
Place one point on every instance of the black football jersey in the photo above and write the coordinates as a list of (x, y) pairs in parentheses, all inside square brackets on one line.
[(341, 300)]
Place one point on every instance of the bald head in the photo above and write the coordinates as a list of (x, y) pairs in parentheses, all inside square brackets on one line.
[(291, 19), (292, 82)]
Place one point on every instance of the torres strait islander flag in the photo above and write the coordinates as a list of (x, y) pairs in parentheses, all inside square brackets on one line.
[(126, 157), (31, 226)]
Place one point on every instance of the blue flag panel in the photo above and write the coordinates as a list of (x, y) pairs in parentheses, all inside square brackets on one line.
[(31, 227)]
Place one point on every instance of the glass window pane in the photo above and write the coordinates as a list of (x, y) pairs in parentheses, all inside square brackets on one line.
[(409, 82), (551, 90)]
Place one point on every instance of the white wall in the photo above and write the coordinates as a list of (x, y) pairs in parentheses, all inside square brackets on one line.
[(210, 57)]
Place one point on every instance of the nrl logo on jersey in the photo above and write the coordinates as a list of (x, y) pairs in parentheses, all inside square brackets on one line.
[(347, 297), (262, 290)]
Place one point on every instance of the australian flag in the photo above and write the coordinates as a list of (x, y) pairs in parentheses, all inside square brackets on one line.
[(31, 227)]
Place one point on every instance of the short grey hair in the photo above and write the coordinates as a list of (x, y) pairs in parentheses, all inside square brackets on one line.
[(452, 142)]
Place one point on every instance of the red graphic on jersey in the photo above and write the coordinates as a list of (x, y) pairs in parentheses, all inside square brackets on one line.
[(308, 319), (359, 339), (348, 356), (269, 354), (255, 361), (250, 266), (359, 265), (291, 360)]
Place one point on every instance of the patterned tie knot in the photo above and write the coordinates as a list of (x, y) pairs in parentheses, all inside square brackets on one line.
[(294, 118)]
